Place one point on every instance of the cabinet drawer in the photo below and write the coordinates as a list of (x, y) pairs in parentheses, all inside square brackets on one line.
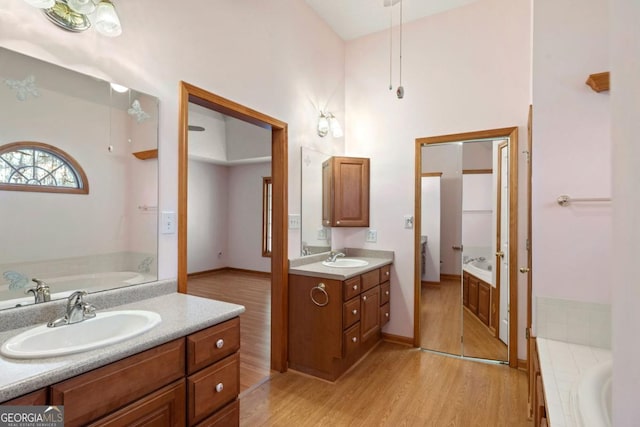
[(370, 279), (351, 288), (229, 416), (165, 407), (212, 344), (385, 273), (90, 396), (385, 314), (385, 292), (351, 340), (38, 397), (212, 388), (350, 312)]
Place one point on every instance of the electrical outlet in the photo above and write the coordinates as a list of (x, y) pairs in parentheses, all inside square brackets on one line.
[(294, 222), (372, 236), (322, 233), (408, 221)]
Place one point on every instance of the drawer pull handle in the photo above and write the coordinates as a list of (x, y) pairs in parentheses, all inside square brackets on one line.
[(355, 287), (220, 343), (387, 273), (386, 315), (355, 311), (364, 298), (354, 339), (219, 387), (320, 287), (386, 292)]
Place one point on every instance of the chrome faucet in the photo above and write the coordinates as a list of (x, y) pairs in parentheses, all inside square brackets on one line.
[(77, 310), (40, 292), (333, 256)]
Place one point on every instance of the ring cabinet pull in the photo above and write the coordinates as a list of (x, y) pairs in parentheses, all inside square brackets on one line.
[(219, 387), (320, 287), (220, 343)]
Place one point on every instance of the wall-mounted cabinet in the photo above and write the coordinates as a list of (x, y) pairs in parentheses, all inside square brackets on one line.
[(345, 192)]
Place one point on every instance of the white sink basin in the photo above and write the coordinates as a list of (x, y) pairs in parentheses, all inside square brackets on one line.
[(106, 328), (346, 263)]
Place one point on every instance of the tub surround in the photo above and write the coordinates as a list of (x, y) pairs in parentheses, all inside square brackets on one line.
[(561, 365), (181, 315), (312, 265)]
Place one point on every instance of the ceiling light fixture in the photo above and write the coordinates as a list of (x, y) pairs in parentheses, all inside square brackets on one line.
[(328, 122), (73, 15)]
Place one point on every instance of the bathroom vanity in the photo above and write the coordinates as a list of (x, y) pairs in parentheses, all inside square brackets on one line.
[(336, 315), (477, 297), (185, 371)]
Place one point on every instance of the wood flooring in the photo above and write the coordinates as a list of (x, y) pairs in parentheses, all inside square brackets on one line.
[(254, 292), (444, 319), (394, 385)]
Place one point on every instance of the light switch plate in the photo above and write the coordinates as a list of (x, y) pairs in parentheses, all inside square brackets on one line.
[(168, 222), (408, 221), (294, 221), (372, 236)]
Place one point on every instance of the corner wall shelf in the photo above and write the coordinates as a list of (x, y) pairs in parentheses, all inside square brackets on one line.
[(599, 81), (146, 155)]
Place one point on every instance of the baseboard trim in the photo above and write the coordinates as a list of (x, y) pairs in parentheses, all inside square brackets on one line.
[(398, 339), (224, 269), (522, 365), (425, 283)]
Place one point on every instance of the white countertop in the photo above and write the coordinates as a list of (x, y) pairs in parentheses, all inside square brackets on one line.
[(317, 269), (561, 365), (181, 315)]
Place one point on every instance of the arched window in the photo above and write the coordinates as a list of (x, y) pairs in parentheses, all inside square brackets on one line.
[(35, 166)]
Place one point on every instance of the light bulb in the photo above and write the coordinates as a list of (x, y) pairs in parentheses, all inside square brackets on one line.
[(107, 21), (42, 4), (82, 6), (119, 88), (336, 129)]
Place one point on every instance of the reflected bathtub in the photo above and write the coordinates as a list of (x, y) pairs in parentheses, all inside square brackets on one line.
[(480, 268), (591, 397), (63, 286)]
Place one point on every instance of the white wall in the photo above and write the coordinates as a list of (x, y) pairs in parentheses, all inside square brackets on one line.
[(245, 217), (463, 70), (208, 216), (571, 151), (625, 103)]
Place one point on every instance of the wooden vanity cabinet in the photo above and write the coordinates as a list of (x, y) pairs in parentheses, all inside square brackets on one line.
[(345, 192), (190, 380), (327, 339), (477, 296), (38, 397)]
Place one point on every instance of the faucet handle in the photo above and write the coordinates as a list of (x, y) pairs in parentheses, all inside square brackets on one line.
[(88, 310)]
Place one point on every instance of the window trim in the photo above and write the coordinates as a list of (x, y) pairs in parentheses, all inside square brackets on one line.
[(82, 177), (267, 212)]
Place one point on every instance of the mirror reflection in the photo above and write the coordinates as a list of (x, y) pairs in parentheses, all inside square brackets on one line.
[(464, 230), (315, 238), (98, 239)]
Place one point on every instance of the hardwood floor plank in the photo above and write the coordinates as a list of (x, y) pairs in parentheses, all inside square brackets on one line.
[(254, 292)]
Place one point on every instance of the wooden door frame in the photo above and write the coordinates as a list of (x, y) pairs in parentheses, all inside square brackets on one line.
[(279, 175), (498, 285), (512, 134)]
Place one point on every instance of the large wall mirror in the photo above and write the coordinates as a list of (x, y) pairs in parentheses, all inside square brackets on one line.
[(465, 240), (315, 237), (98, 239)]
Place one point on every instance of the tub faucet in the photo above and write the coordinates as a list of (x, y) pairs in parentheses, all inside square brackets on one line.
[(333, 256), (77, 310), (40, 291)]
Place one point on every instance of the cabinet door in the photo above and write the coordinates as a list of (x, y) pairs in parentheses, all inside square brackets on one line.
[(473, 295), (165, 407), (370, 313), (345, 192), (465, 290), (484, 302)]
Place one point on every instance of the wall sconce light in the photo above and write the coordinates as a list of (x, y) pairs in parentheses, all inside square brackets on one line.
[(73, 15), (327, 122)]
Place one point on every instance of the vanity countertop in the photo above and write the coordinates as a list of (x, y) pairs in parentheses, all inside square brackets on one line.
[(312, 265), (181, 315)]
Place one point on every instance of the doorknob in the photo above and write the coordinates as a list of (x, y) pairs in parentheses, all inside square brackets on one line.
[(500, 254), (524, 269)]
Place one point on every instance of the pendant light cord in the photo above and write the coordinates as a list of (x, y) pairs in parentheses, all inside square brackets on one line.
[(400, 42), (390, 45)]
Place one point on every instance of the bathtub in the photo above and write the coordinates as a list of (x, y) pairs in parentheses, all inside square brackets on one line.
[(63, 286), (481, 269), (591, 397)]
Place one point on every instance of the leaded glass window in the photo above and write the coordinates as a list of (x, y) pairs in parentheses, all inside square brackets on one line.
[(33, 166)]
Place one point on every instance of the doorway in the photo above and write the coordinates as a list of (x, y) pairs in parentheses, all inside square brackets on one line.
[(190, 94), (462, 306)]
